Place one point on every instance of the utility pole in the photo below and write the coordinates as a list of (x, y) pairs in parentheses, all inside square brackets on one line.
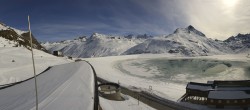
[(34, 68)]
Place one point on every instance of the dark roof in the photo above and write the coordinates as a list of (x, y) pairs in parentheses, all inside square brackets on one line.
[(232, 88), (228, 95), (232, 82), (199, 86)]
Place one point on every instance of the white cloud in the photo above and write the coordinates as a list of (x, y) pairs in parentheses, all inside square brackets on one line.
[(218, 19)]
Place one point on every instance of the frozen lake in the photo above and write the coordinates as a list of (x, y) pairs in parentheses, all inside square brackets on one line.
[(168, 75), (182, 71)]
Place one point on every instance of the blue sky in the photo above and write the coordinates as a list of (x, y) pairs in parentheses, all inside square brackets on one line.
[(53, 20)]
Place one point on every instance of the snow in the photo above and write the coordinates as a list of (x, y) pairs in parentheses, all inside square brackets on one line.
[(19, 32), (16, 64), (63, 87), (6, 43), (184, 41), (105, 68), (239, 43), (129, 104), (172, 89), (4, 27), (97, 45)]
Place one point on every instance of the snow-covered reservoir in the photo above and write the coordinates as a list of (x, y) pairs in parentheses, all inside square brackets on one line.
[(168, 74), (182, 71), (63, 87)]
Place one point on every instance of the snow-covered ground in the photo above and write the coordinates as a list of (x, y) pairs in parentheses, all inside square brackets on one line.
[(63, 87), (129, 104), (130, 70), (6, 43), (123, 69), (16, 63)]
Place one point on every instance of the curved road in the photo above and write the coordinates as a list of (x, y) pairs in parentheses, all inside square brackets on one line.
[(63, 87)]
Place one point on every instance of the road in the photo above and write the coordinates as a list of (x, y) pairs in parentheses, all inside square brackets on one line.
[(63, 87)]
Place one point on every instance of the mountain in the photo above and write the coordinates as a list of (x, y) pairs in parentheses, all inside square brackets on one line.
[(11, 37), (97, 45), (239, 43), (184, 41)]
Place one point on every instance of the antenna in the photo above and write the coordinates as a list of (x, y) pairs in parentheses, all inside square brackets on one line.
[(34, 68)]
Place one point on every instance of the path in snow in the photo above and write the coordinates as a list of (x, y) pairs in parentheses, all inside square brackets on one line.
[(63, 87)]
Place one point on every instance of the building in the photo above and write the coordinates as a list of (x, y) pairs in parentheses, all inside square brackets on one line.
[(58, 53), (218, 93)]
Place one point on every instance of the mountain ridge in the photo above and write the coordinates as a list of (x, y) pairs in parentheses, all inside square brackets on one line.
[(183, 41), (239, 43), (12, 37)]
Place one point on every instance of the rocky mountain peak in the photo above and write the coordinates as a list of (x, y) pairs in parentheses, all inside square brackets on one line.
[(16, 38), (191, 28)]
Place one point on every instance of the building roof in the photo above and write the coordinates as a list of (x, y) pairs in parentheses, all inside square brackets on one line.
[(232, 88), (199, 86), (228, 95)]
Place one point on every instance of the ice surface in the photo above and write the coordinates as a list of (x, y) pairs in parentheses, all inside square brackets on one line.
[(185, 70)]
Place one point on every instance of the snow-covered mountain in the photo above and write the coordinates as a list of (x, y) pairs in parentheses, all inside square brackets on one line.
[(185, 41), (11, 37), (239, 43), (97, 45)]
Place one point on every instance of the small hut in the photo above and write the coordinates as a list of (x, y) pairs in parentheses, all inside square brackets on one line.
[(58, 53)]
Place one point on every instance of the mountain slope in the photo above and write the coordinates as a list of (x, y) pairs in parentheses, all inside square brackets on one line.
[(239, 43), (98, 45), (11, 37), (185, 41)]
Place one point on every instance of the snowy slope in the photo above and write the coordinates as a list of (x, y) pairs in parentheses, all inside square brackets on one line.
[(5, 27), (184, 41), (66, 44), (73, 89), (239, 43), (11, 37), (97, 45), (16, 64)]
